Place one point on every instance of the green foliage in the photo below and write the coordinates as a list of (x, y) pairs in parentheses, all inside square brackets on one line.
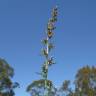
[(39, 83), (86, 81), (85, 84), (36, 88), (6, 84), (5, 69)]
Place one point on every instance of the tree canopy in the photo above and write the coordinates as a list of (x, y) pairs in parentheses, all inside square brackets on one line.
[(85, 81), (6, 84)]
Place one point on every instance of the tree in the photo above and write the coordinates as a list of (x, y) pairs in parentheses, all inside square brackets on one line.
[(6, 84), (86, 81), (45, 87), (85, 84)]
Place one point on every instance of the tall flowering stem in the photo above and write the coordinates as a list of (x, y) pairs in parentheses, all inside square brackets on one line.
[(45, 87), (48, 46)]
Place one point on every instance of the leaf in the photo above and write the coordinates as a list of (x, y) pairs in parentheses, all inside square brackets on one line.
[(44, 52), (50, 46), (45, 41)]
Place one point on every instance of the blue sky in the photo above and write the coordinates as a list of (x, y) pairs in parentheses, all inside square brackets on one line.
[(22, 26)]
